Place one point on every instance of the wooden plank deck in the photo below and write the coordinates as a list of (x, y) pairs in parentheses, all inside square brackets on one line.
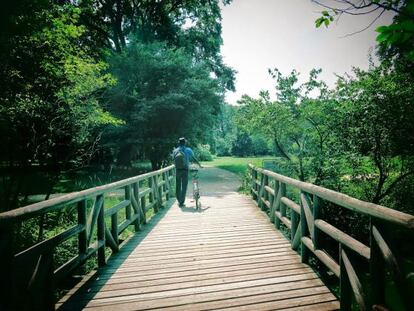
[(229, 256)]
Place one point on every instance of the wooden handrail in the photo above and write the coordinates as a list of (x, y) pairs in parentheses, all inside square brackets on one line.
[(344, 200), (30, 270), (32, 210), (306, 226)]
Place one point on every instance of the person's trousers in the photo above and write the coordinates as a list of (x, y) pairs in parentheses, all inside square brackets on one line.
[(181, 182)]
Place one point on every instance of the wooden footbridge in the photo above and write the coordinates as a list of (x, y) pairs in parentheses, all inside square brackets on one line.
[(236, 254)]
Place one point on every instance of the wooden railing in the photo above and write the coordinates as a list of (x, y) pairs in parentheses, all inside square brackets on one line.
[(29, 275), (374, 277)]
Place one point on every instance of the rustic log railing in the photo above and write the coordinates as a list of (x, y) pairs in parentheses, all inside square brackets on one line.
[(371, 277), (29, 276)]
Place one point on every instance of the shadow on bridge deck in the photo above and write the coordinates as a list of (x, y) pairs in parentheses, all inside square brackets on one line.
[(74, 300)]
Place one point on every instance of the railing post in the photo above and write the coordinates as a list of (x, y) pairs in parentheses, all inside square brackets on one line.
[(137, 222), (282, 206), (170, 184), (83, 235), (128, 197), (277, 205), (316, 213), (166, 185), (376, 267), (38, 293), (281, 194), (114, 227), (304, 252), (254, 185), (101, 233), (274, 200), (260, 191), (158, 191), (344, 285), (152, 194), (264, 192), (143, 207), (294, 227)]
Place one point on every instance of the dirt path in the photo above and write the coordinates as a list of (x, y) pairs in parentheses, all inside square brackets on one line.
[(213, 180)]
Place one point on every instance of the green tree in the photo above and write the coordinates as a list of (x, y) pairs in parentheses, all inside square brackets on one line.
[(50, 110), (161, 94), (376, 129), (243, 145), (375, 114), (194, 25), (294, 122), (260, 145), (194, 28), (225, 132)]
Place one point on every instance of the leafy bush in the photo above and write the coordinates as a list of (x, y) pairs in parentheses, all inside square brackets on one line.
[(224, 145), (260, 145), (242, 146), (202, 153)]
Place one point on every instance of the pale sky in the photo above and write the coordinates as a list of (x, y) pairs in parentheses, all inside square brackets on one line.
[(263, 34)]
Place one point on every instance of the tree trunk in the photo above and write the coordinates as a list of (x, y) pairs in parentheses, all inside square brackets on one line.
[(301, 172)]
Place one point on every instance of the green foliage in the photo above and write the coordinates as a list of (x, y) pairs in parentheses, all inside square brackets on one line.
[(249, 145), (225, 131), (230, 139), (223, 146), (374, 127), (296, 123), (161, 94), (193, 25), (397, 39), (138, 74), (325, 19), (202, 153), (61, 94), (357, 139), (260, 145), (50, 103), (50, 106), (376, 113), (242, 146)]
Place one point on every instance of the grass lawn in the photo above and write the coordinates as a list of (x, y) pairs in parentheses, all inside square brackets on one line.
[(237, 165)]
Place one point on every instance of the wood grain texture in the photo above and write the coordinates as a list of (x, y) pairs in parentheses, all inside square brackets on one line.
[(228, 256)]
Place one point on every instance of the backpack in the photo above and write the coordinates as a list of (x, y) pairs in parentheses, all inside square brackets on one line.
[(179, 159)]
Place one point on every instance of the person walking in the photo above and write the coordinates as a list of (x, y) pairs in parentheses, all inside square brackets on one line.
[(182, 156)]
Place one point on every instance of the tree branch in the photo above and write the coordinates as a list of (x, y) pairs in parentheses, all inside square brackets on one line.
[(281, 150), (365, 28), (394, 184)]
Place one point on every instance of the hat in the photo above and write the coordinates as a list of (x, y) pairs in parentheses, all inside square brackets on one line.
[(181, 140)]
